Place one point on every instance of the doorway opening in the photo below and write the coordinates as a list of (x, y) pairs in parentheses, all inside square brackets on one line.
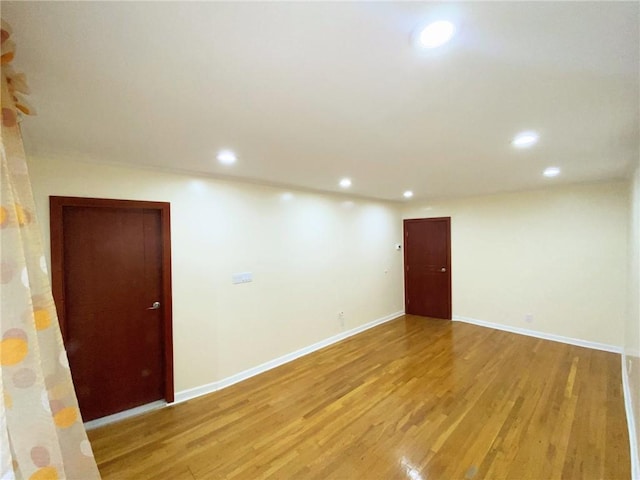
[(111, 281), (427, 267)]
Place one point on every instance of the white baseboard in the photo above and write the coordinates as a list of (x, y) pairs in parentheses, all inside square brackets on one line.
[(545, 336), (631, 421), (116, 417), (276, 362)]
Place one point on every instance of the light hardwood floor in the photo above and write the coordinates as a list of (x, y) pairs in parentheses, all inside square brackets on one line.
[(415, 398)]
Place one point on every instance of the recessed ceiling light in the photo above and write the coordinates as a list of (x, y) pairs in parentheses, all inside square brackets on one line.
[(551, 172), (407, 194), (345, 182), (525, 139), (226, 157), (436, 34)]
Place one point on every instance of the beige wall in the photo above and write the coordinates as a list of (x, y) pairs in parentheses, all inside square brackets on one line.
[(311, 255), (632, 326), (558, 254)]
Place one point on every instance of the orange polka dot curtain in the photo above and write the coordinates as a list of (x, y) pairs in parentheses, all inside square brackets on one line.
[(41, 431)]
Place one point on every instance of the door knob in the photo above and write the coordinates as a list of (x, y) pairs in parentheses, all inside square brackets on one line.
[(155, 306), (443, 269)]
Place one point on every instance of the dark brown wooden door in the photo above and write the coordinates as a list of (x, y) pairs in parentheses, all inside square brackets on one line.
[(427, 265), (113, 334)]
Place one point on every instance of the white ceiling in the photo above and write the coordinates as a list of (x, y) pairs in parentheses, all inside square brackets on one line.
[(307, 93)]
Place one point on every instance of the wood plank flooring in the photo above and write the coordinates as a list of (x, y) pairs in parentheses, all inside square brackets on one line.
[(415, 398)]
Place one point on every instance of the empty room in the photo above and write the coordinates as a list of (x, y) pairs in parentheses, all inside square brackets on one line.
[(320, 240)]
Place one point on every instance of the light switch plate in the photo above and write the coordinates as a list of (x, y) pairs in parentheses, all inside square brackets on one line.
[(243, 277)]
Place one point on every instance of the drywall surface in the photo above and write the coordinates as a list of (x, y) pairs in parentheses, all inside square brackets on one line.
[(558, 254), (632, 325), (311, 256)]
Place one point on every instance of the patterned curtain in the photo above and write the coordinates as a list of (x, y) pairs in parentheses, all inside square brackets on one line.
[(41, 431)]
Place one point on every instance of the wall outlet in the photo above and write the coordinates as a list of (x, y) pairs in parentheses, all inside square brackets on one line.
[(341, 319), (528, 318)]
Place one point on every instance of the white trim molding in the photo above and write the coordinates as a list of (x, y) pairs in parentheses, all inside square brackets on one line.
[(545, 336), (185, 395), (631, 421), (116, 417)]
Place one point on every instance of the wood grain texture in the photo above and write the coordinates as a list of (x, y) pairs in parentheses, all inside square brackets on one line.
[(427, 267), (414, 398), (113, 271), (57, 206)]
